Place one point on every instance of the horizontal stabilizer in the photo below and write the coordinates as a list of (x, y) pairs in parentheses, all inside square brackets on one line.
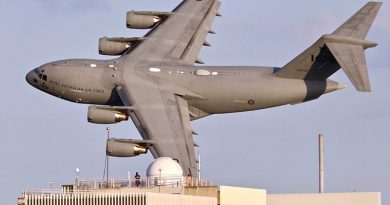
[(353, 62)]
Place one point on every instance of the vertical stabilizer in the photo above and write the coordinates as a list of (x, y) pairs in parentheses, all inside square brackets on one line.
[(360, 23)]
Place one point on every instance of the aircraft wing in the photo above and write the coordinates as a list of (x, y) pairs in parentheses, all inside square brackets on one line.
[(179, 38), (161, 112), (162, 116)]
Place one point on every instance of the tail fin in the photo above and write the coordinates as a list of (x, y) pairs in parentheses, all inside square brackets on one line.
[(359, 24), (344, 48)]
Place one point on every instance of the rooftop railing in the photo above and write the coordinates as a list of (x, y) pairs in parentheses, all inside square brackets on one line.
[(90, 185)]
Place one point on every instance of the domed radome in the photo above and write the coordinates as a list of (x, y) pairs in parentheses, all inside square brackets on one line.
[(165, 171)]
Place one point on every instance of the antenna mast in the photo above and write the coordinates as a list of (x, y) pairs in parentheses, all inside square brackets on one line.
[(106, 161), (199, 178), (321, 162)]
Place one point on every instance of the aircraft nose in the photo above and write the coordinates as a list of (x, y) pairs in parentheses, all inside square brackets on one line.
[(30, 77)]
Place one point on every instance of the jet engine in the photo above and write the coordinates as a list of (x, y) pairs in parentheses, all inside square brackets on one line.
[(105, 116), (142, 20), (124, 148), (116, 46)]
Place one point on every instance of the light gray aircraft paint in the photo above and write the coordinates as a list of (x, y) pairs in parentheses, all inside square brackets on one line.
[(154, 82)]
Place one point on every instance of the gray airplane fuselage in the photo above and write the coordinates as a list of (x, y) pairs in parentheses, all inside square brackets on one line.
[(154, 81), (224, 89)]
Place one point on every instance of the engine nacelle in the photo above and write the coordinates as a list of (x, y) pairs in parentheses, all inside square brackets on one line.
[(105, 116), (117, 46), (141, 20), (112, 46), (121, 148)]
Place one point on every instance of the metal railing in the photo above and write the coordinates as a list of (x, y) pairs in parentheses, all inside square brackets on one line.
[(88, 185), (114, 198)]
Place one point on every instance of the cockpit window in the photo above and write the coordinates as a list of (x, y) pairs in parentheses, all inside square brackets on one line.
[(42, 76)]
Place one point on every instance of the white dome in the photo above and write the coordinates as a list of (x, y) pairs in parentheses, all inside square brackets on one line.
[(164, 167)]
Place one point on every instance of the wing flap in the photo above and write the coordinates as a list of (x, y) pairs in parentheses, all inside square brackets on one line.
[(198, 40), (185, 123)]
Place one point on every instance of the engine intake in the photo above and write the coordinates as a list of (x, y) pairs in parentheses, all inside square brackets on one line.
[(104, 116), (123, 148)]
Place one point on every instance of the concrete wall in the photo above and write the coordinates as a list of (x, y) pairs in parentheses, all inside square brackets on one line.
[(211, 191), (241, 196), (325, 199)]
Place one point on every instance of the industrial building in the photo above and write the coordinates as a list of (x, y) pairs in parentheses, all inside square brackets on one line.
[(165, 185)]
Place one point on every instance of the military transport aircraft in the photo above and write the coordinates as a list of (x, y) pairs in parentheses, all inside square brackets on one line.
[(155, 83)]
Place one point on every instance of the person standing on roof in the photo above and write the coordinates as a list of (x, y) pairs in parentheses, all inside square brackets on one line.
[(137, 179)]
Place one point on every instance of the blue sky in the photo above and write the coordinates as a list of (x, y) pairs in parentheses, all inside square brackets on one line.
[(45, 138)]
